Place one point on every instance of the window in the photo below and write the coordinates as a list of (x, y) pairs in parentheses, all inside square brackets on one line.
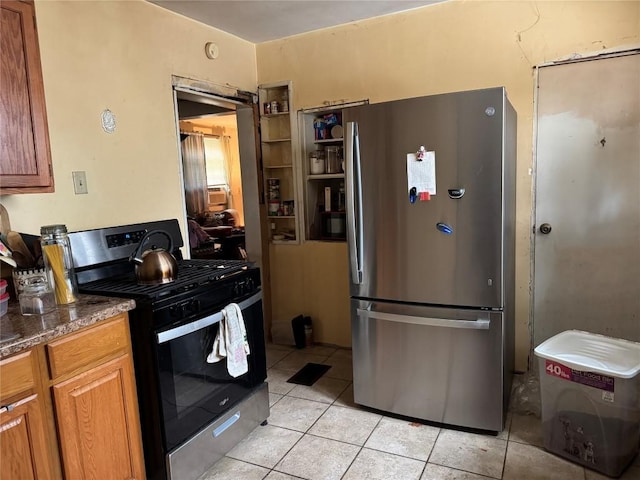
[(215, 162)]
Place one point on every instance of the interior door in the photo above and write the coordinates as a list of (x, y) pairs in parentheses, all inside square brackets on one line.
[(587, 203)]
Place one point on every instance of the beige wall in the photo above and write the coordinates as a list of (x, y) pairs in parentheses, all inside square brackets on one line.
[(119, 55), (456, 45)]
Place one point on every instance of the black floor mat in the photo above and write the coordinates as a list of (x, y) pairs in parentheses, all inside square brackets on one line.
[(309, 374)]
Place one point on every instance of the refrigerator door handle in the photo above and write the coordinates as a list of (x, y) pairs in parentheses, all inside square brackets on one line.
[(479, 324), (354, 202)]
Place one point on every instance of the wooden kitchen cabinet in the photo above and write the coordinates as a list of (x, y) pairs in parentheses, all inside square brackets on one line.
[(25, 157), (96, 406), (81, 389), (24, 449), (98, 423)]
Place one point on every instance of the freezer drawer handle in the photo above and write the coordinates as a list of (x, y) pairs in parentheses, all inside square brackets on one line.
[(479, 324)]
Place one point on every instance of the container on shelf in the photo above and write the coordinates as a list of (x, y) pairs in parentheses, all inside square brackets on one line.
[(287, 208), (333, 160), (320, 129), (590, 387), (334, 225), (273, 188), (317, 162), (274, 207)]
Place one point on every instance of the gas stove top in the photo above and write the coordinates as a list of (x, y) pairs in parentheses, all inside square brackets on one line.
[(192, 274)]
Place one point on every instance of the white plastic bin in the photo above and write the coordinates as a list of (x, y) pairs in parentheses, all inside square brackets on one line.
[(590, 391)]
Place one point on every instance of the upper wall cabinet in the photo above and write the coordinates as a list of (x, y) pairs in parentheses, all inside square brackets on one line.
[(278, 136), (25, 158)]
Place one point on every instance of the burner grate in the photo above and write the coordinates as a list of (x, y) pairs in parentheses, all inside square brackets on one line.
[(191, 274)]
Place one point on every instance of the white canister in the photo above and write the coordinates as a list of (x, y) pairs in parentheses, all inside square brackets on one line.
[(316, 162)]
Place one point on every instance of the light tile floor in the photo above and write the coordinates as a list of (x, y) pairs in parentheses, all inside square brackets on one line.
[(318, 433)]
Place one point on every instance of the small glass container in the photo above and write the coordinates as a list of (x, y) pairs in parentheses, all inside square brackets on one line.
[(317, 162), (333, 159), (34, 291), (56, 251)]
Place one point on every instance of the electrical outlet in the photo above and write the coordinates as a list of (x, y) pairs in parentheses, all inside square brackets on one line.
[(80, 182)]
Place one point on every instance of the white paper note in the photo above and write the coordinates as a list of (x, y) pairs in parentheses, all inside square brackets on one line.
[(422, 174)]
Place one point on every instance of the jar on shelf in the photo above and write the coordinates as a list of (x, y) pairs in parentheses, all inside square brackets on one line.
[(317, 162), (333, 159), (58, 259), (273, 188)]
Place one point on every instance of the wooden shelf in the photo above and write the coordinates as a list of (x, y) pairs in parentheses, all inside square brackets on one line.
[(279, 114), (325, 176), (278, 143), (329, 140)]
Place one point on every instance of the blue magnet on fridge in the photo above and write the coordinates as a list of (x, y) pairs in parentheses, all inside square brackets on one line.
[(413, 195), (444, 228)]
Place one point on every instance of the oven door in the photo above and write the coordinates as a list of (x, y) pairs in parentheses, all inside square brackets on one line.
[(195, 392)]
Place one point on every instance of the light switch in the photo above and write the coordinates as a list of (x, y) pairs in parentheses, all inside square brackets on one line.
[(80, 182)]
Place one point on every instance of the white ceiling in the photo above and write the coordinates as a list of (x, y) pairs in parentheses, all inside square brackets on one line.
[(262, 20)]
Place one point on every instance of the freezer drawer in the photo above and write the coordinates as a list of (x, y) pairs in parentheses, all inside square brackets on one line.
[(437, 364)]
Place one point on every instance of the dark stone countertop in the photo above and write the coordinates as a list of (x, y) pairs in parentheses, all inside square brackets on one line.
[(19, 332)]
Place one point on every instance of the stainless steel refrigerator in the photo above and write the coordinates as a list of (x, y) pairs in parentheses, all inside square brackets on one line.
[(431, 215)]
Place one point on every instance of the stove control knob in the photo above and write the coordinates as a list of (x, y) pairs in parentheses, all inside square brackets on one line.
[(250, 284), (193, 306)]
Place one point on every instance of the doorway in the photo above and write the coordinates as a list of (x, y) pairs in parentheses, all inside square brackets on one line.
[(212, 185), (226, 106), (587, 205)]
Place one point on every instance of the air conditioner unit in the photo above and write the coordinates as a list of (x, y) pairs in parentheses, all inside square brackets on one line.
[(217, 196)]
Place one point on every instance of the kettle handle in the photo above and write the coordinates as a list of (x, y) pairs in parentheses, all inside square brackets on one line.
[(136, 256)]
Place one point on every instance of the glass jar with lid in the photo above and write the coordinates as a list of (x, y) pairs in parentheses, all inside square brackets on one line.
[(317, 162), (333, 159), (56, 252), (33, 290)]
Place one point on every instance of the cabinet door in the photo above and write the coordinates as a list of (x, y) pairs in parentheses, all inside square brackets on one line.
[(25, 159), (98, 423), (24, 453)]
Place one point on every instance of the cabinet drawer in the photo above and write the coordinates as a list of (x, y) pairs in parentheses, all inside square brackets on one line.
[(17, 374), (81, 350)]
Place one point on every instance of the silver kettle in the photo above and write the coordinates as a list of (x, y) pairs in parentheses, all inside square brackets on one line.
[(155, 266)]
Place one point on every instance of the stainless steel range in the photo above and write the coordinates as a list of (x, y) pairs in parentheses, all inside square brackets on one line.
[(192, 412)]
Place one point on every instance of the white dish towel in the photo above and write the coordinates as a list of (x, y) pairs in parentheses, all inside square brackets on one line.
[(231, 342)]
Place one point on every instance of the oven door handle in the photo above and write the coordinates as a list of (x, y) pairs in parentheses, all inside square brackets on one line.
[(191, 327)]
